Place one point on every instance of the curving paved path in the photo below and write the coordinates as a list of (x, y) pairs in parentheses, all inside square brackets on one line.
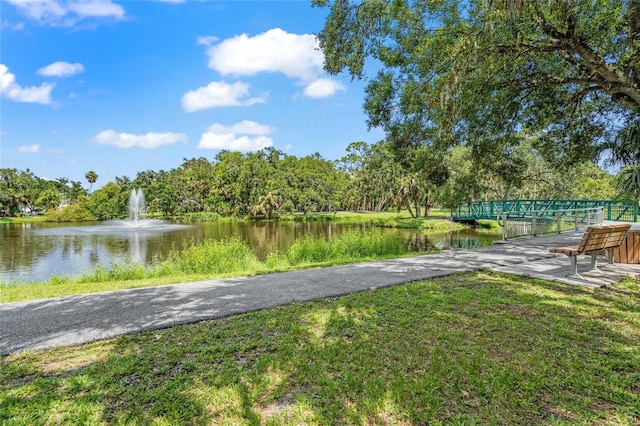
[(74, 320)]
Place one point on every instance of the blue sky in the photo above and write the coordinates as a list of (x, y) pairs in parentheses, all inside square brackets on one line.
[(120, 87)]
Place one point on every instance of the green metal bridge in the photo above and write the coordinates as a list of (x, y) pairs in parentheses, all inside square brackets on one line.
[(617, 210)]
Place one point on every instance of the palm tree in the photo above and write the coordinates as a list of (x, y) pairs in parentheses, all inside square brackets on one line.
[(628, 181), (625, 150), (92, 177)]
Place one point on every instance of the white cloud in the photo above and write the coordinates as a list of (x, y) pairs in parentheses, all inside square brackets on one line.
[(207, 40), (61, 69), (8, 25), (68, 13), (11, 90), (97, 8), (219, 94), (323, 87), (296, 56), (29, 148), (244, 136), (250, 128), (149, 141)]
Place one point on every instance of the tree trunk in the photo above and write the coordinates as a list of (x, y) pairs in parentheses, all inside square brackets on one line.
[(634, 35), (634, 21), (408, 204)]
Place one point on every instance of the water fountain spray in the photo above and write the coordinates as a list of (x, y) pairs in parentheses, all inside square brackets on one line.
[(136, 205)]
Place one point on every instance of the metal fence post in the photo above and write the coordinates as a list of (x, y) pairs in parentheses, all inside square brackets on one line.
[(504, 226), (534, 224)]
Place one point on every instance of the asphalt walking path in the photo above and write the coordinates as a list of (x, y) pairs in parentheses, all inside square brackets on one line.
[(80, 319)]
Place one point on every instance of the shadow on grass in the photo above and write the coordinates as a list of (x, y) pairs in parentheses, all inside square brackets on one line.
[(475, 348)]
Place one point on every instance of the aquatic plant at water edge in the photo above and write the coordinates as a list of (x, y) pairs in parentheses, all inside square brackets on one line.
[(348, 246), (214, 257)]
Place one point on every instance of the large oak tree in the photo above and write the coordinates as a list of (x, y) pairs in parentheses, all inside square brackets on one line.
[(564, 74)]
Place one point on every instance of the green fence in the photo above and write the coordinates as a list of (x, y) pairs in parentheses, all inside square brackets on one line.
[(617, 210)]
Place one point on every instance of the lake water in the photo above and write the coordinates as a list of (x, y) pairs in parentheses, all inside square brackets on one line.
[(35, 251)]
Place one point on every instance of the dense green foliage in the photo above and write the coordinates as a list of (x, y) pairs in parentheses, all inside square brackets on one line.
[(22, 191), (563, 76), (468, 349), (268, 183), (72, 213)]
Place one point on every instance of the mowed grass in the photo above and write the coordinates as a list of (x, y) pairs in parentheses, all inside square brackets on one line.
[(481, 348)]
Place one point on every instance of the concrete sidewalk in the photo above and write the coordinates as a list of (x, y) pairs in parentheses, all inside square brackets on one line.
[(80, 319)]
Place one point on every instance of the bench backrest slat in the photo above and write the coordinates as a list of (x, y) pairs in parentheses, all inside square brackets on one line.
[(594, 238), (617, 236)]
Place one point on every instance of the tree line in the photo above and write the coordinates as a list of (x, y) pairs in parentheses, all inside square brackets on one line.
[(369, 177)]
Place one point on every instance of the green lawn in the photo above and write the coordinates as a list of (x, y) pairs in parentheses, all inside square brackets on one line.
[(482, 348)]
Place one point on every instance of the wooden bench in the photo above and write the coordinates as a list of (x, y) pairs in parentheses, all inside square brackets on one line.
[(595, 240)]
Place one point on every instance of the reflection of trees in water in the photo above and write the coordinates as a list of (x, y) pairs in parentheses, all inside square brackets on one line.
[(18, 249), (420, 242), (71, 244), (468, 239), (264, 238)]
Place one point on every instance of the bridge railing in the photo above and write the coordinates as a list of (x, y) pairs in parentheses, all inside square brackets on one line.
[(618, 210), (538, 222)]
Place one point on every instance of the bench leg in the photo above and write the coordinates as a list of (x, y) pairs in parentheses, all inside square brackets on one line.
[(610, 257), (574, 267), (594, 262)]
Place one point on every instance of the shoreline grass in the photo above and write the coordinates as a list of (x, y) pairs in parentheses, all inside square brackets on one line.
[(477, 348), (214, 259), (435, 224), (22, 219)]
